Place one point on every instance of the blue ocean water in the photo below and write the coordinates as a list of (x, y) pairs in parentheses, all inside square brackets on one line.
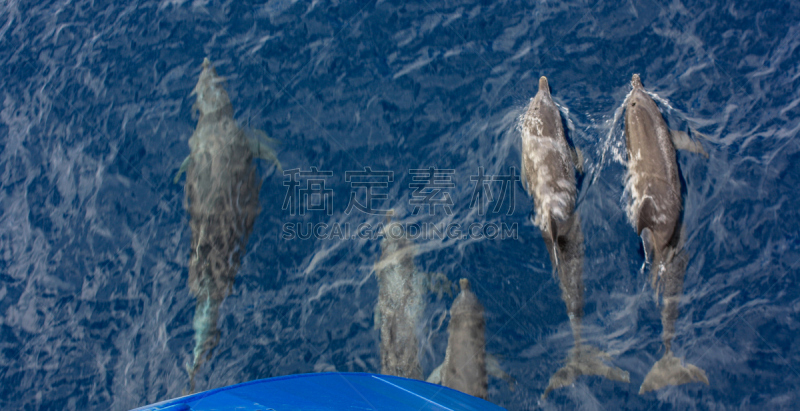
[(95, 309)]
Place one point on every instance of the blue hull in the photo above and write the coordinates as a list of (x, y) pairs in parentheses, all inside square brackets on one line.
[(327, 391)]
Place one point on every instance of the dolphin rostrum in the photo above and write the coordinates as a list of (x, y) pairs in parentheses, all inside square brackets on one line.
[(654, 210), (222, 199), (466, 365), (548, 173), (403, 292)]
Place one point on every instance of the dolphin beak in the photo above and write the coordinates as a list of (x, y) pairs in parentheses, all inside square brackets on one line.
[(636, 82), (543, 84)]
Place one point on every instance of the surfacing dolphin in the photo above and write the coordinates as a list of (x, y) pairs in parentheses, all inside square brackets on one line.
[(548, 173), (466, 365), (222, 199), (655, 212)]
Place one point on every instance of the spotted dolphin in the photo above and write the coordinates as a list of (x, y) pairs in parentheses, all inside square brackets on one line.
[(548, 173), (654, 210), (548, 167), (222, 199)]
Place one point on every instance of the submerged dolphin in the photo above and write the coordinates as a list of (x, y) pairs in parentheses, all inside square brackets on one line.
[(402, 296), (222, 199), (466, 365), (655, 212), (548, 173)]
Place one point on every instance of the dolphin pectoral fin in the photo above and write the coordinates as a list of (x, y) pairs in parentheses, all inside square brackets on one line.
[(264, 137), (184, 167), (553, 240), (436, 375), (261, 149), (264, 152), (682, 141), (577, 159), (649, 244), (700, 135), (585, 360), (646, 216), (493, 369), (669, 371)]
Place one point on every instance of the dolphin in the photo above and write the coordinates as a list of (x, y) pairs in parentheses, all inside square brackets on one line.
[(548, 173), (654, 211), (222, 200), (466, 365), (402, 296), (548, 167)]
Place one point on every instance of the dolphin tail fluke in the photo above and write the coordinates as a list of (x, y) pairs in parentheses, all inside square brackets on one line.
[(585, 360), (669, 371)]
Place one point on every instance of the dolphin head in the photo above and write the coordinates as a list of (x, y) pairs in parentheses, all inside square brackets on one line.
[(464, 283), (543, 86), (211, 96), (636, 82)]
